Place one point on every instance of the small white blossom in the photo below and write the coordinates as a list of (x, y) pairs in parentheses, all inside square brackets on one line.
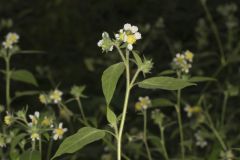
[(56, 96), (11, 39), (201, 142), (34, 118), (58, 132), (35, 136)]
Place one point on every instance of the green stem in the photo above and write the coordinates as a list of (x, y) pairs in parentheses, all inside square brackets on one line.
[(211, 126), (124, 112), (33, 145), (179, 116), (40, 146), (49, 149), (163, 142), (8, 75), (224, 108), (81, 110), (145, 134), (215, 32)]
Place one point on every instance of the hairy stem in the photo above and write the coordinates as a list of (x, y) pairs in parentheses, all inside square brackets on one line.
[(8, 76), (179, 116), (215, 32), (124, 112), (163, 142), (145, 134), (81, 111), (224, 106)]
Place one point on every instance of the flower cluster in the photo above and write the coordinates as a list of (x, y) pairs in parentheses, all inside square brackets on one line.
[(183, 62), (192, 110), (59, 131), (201, 142), (11, 39), (143, 103), (8, 119), (227, 155), (105, 43), (127, 36), (37, 126), (53, 97)]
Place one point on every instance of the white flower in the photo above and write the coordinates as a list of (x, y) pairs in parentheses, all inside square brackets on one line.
[(189, 110), (201, 142), (58, 132), (11, 39), (35, 136), (143, 103), (34, 118), (100, 42), (56, 96), (106, 43)]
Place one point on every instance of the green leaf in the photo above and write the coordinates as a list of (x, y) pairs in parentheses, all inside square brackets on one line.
[(80, 139), (167, 72), (137, 58), (31, 155), (24, 76), (110, 78), (25, 93), (162, 102), (111, 117), (201, 79), (16, 140), (165, 83)]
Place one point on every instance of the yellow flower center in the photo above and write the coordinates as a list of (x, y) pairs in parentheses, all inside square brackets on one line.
[(43, 99), (131, 39), (189, 55), (46, 122), (59, 131), (8, 120), (197, 109), (138, 106), (35, 136), (12, 38)]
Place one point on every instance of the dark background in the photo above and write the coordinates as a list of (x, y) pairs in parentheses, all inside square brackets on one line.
[(68, 30)]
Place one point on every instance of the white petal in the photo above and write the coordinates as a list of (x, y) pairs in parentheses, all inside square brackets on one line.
[(37, 114), (130, 47), (117, 36), (138, 35), (55, 137), (65, 129), (99, 44), (127, 26), (60, 125), (111, 48), (134, 29)]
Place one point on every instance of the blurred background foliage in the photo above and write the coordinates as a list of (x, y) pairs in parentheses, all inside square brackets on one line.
[(66, 32)]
